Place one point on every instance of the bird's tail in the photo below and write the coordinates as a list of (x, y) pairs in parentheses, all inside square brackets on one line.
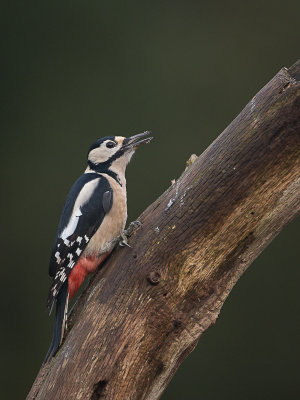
[(60, 321)]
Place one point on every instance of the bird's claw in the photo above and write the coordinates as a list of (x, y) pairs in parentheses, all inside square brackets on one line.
[(127, 232), (132, 225), (123, 241)]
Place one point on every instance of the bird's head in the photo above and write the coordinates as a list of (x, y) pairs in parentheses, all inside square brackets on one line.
[(114, 152)]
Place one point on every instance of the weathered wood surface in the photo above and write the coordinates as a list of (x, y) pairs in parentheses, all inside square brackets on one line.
[(147, 308)]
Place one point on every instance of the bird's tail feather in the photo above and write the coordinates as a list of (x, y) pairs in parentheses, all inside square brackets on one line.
[(60, 321)]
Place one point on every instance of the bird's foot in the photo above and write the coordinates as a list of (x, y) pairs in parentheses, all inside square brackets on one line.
[(127, 232), (123, 241), (132, 226)]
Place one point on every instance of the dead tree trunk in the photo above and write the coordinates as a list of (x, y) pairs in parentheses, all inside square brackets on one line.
[(147, 308)]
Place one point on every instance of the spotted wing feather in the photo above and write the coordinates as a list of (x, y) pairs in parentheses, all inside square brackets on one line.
[(89, 199)]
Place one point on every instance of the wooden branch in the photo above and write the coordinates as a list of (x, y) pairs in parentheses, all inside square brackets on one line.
[(147, 308)]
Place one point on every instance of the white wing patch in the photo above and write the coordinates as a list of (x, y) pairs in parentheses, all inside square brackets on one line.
[(78, 213), (83, 197), (57, 256), (69, 229)]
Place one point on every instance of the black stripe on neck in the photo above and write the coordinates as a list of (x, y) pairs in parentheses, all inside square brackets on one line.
[(102, 170)]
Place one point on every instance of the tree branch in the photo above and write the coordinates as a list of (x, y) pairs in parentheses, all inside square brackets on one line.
[(147, 308)]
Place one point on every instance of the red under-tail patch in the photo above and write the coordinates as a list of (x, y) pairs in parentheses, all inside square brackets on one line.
[(83, 267)]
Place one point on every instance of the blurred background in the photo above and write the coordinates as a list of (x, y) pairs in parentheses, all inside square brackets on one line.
[(72, 72)]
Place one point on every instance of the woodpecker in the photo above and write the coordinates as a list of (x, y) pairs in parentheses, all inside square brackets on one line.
[(93, 217)]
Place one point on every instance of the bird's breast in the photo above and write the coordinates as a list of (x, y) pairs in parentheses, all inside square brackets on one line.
[(113, 223)]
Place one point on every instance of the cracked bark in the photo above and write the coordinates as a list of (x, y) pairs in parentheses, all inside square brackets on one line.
[(145, 311)]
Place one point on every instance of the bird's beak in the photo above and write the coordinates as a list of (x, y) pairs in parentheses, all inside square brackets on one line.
[(134, 141)]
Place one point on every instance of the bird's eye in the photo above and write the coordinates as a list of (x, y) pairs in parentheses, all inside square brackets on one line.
[(110, 145)]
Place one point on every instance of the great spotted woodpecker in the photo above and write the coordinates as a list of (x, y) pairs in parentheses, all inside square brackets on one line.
[(93, 217)]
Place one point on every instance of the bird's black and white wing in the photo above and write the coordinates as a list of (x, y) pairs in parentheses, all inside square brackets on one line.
[(89, 199)]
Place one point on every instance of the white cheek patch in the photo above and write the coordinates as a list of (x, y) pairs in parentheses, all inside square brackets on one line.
[(99, 155), (102, 153)]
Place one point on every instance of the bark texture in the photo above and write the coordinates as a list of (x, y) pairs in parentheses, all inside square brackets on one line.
[(145, 311)]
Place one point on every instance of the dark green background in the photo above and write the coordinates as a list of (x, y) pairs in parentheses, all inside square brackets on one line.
[(73, 71)]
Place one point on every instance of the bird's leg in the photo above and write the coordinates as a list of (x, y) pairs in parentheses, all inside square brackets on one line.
[(127, 232)]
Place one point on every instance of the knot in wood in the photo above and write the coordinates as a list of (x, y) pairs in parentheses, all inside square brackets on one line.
[(154, 277)]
